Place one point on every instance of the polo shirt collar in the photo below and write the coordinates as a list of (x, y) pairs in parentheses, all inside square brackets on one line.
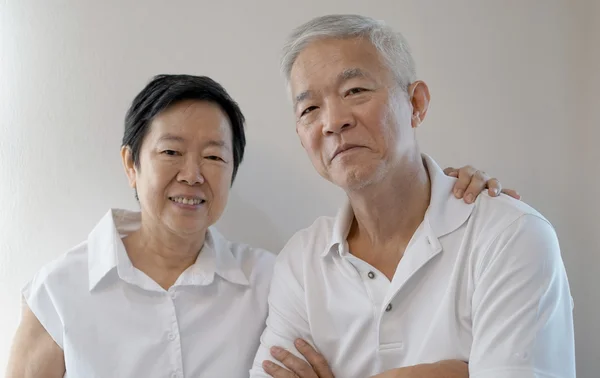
[(444, 214)]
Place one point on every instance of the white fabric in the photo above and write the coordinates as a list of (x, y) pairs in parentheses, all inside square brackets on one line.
[(112, 320), (483, 283)]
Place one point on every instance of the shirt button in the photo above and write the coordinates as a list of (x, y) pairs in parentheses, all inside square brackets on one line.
[(388, 308), (173, 294), (171, 337), (371, 275)]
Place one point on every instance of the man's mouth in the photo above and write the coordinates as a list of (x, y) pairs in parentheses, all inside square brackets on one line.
[(344, 148)]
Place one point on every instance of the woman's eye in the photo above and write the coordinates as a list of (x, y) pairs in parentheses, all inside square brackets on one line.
[(308, 110), (171, 152)]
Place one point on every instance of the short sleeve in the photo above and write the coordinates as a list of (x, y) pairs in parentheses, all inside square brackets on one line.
[(39, 299), (522, 306), (287, 319)]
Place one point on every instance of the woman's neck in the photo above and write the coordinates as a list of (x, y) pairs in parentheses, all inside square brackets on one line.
[(162, 255)]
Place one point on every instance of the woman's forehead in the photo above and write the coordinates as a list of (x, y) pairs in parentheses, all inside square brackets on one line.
[(191, 120)]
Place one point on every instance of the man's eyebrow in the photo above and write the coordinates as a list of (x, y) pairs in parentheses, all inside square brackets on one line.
[(348, 74), (301, 97), (352, 73)]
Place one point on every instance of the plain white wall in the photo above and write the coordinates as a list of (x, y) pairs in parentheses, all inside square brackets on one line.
[(589, 88), (505, 79)]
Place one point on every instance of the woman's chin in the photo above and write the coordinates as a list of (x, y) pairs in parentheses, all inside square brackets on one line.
[(188, 227)]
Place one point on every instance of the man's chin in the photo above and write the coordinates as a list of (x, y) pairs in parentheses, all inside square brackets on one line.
[(353, 180)]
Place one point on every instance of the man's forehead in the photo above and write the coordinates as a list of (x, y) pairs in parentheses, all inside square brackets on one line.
[(334, 57), (330, 50)]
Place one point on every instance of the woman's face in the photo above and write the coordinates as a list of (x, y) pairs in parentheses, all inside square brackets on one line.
[(185, 167)]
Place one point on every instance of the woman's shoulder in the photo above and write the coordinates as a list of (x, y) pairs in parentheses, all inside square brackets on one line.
[(55, 286), (70, 266), (257, 263)]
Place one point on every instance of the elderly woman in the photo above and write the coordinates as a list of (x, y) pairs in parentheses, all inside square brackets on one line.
[(160, 293)]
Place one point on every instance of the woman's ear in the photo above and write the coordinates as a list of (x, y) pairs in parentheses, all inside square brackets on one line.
[(129, 165)]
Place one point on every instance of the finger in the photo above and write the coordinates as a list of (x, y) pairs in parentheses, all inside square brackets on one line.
[(277, 371), (464, 178), (476, 186), (297, 365), (511, 192), (494, 187), (314, 358), (449, 170)]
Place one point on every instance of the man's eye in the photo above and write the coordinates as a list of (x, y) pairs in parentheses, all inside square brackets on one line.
[(214, 157), (355, 91), (308, 110)]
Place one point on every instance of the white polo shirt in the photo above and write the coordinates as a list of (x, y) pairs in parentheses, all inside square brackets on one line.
[(483, 283), (112, 320)]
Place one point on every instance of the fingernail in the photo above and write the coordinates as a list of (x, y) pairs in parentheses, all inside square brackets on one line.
[(496, 191), (469, 198), (276, 350), (300, 343), (268, 365), (459, 192)]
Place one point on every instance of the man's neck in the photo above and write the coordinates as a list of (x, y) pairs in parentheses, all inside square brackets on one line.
[(387, 214), (162, 255)]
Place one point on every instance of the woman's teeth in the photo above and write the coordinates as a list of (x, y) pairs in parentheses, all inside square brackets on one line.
[(187, 201)]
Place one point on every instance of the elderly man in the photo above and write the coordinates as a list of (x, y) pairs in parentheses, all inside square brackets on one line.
[(406, 280)]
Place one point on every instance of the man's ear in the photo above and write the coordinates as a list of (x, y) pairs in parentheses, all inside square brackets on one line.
[(129, 165), (418, 93)]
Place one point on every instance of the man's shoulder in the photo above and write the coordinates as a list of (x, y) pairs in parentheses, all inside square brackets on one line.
[(498, 213), (507, 226), (310, 241), (301, 257), (256, 262)]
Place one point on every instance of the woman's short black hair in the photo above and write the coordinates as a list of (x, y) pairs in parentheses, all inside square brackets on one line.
[(166, 90)]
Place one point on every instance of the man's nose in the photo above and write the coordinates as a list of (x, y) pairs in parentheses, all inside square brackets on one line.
[(338, 117)]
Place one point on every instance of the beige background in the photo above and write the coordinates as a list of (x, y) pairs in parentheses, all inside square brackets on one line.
[(514, 91)]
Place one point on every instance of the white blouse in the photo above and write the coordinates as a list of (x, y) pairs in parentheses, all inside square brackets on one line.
[(112, 320)]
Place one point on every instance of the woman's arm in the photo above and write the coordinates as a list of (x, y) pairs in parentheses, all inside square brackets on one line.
[(34, 353)]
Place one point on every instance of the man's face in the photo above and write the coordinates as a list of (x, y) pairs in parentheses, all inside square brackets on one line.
[(185, 167), (352, 119)]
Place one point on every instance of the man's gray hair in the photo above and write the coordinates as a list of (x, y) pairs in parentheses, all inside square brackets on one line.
[(391, 45)]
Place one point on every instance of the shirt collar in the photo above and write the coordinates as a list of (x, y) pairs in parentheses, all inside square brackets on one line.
[(444, 214), (341, 228), (105, 240), (106, 252), (226, 265)]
